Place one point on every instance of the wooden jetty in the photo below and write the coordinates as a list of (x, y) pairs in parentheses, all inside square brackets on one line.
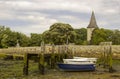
[(51, 54)]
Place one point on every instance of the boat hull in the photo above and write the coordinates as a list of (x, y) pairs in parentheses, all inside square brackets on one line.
[(76, 67)]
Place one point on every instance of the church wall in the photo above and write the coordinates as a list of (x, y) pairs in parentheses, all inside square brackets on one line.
[(89, 33)]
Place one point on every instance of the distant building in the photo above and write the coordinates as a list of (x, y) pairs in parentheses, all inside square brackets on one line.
[(92, 25), (17, 45)]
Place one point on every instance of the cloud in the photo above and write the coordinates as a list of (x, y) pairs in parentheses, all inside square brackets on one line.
[(36, 16)]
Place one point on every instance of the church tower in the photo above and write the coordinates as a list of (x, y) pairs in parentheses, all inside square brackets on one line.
[(92, 25)]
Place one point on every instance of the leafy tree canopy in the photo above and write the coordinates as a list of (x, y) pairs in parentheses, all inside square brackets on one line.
[(102, 35), (9, 38), (36, 39), (81, 37), (60, 33)]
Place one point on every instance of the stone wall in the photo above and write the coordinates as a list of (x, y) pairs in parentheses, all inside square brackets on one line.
[(77, 50), (93, 50)]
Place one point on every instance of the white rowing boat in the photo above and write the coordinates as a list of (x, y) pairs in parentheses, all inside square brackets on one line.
[(84, 58)]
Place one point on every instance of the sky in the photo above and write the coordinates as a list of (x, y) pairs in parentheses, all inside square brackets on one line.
[(36, 16)]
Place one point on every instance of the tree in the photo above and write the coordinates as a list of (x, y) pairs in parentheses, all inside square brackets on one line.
[(36, 39), (99, 35), (102, 35), (60, 33), (23, 39), (5, 34), (46, 36), (116, 37), (9, 38), (81, 36)]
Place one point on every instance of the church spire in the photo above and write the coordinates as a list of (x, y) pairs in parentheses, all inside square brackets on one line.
[(93, 23)]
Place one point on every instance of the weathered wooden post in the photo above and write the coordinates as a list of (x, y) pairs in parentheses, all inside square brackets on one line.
[(110, 60), (107, 56), (26, 61), (59, 53), (53, 57), (41, 63), (66, 51), (72, 52), (48, 60), (104, 57)]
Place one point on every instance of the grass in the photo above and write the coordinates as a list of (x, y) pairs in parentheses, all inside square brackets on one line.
[(13, 69), (2, 55)]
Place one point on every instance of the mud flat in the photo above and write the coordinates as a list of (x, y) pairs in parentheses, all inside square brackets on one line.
[(13, 69)]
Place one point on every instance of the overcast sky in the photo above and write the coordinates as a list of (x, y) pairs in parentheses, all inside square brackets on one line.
[(36, 16)]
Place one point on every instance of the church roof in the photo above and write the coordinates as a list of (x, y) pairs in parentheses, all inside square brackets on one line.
[(93, 23)]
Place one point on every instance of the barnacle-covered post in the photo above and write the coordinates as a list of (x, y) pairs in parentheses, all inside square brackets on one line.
[(41, 63)]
